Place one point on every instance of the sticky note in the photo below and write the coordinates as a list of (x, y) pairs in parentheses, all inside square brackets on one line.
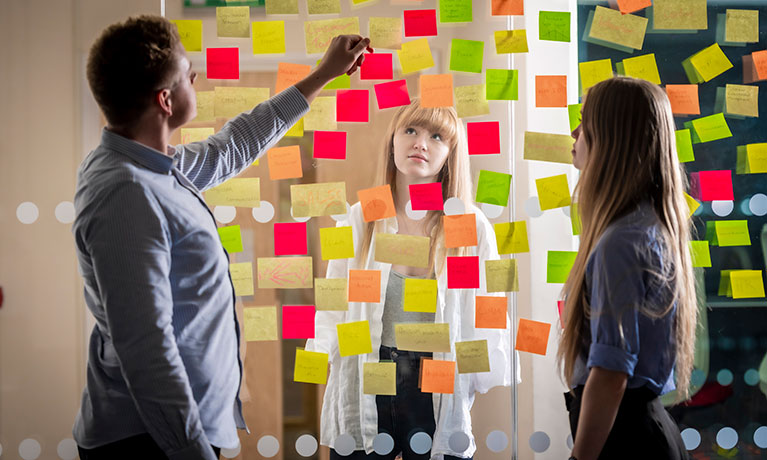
[(532, 336), (574, 115), (385, 33), (233, 21), (240, 192), (377, 66), (752, 158), (554, 26), (731, 233), (365, 286), (392, 94), (321, 115), (747, 284), (189, 135), (437, 376), (493, 188), (511, 237), (190, 32), (592, 72), (615, 27), (396, 249), (329, 144), (323, 6), (741, 26), (318, 34), (716, 185), (760, 63), (632, 6), (352, 105), (285, 272), (231, 101), (725, 287), (330, 294), (379, 378), (460, 230), (289, 74), (501, 275), (420, 295), (433, 337), (742, 100), (553, 192), (463, 272), (471, 101), (297, 130), (711, 128), (336, 243), (242, 278), (684, 146), (205, 106), (575, 219), (472, 356), (466, 55), (354, 338), (377, 203), (501, 85), (710, 62), (507, 7), (700, 254), (680, 15), (644, 67), (260, 323), (455, 11), (555, 148), (558, 265), (426, 197), (684, 99), (281, 6), (490, 312), (420, 23), (551, 91), (321, 199), (510, 41), (290, 239), (298, 321), (436, 90), (311, 366), (484, 137), (692, 204), (222, 63), (231, 238), (340, 82), (284, 162)]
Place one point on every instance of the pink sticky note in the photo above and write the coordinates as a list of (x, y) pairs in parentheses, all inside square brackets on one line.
[(377, 66), (290, 239), (426, 197), (352, 105), (695, 186), (392, 94), (298, 321), (484, 137), (463, 272), (223, 63), (330, 144), (715, 185), (420, 23)]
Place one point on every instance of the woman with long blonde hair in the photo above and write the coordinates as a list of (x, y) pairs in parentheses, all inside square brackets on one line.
[(630, 309)]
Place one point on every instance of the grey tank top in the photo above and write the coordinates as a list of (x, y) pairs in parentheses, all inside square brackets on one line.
[(393, 308)]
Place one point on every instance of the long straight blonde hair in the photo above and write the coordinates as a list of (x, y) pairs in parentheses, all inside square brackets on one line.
[(630, 137), (455, 175)]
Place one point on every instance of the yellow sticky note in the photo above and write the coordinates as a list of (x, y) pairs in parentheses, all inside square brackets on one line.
[(321, 199), (233, 21), (354, 338), (379, 378), (330, 294), (511, 237), (321, 115), (732, 233), (692, 204), (269, 37), (205, 106), (231, 101), (297, 130), (281, 7), (757, 158), (711, 128), (556, 148), (433, 337), (311, 367), (471, 101), (725, 288), (741, 26), (710, 62), (415, 55), (318, 34), (285, 273), (336, 243), (190, 31), (501, 275), (409, 250), (644, 67), (240, 192), (700, 254), (385, 33), (323, 6), (420, 295), (592, 72), (742, 100), (615, 27), (747, 284), (680, 14), (242, 278), (260, 324), (553, 192), (472, 356), (510, 41), (189, 135)]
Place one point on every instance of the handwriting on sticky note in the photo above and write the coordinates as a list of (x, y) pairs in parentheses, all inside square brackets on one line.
[(558, 265), (556, 148), (436, 90), (242, 278), (377, 203), (493, 188), (710, 62), (433, 337), (231, 238), (460, 230), (471, 101), (268, 37), (684, 99), (233, 21), (420, 295), (490, 312), (330, 294), (711, 128), (554, 26), (298, 321), (501, 275), (680, 14), (379, 378), (484, 137), (615, 27), (510, 41), (354, 338), (365, 286), (260, 323), (285, 273), (437, 376), (553, 192), (463, 272), (426, 197), (281, 7), (511, 237), (319, 33), (466, 55), (189, 135), (532, 336), (455, 11), (396, 249), (551, 90), (644, 67), (472, 356), (502, 84), (742, 100), (311, 367), (732, 233), (747, 284), (323, 6), (284, 162), (741, 26), (231, 101), (289, 74), (336, 243), (321, 199), (240, 192), (190, 32), (415, 55), (385, 33)]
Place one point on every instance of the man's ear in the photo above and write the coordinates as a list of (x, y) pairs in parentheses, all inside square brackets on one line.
[(162, 98)]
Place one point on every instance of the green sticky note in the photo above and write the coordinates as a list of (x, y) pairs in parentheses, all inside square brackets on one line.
[(711, 128), (493, 188), (558, 265), (466, 55), (553, 192), (574, 113), (231, 238), (699, 251), (554, 26), (575, 219), (732, 233), (341, 82), (455, 11), (725, 288), (420, 295), (501, 85), (190, 32), (684, 146)]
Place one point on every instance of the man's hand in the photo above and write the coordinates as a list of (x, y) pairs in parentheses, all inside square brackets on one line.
[(344, 55)]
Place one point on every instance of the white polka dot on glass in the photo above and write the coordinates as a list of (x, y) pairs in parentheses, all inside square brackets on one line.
[(231, 453), (65, 212), (415, 215), (497, 441), (727, 438), (454, 206), (263, 213), (760, 437), (691, 438), (29, 449), (67, 449), (306, 445), (533, 207), (758, 204), (751, 377), (539, 442), (268, 446), (224, 214), (724, 377), (492, 210), (458, 441), (722, 208), (420, 443), (27, 212), (344, 445), (383, 444)]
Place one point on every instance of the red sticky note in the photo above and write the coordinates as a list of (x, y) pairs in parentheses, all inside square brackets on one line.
[(463, 272), (223, 63), (290, 239), (484, 137), (298, 321), (420, 23), (551, 90), (715, 185), (560, 306), (352, 105), (392, 94), (377, 66), (330, 144), (427, 197), (532, 336), (695, 186)]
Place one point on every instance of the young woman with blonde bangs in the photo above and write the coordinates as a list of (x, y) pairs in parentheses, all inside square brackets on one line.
[(630, 309)]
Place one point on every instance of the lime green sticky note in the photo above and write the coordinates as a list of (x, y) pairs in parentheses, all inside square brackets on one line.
[(231, 238), (268, 37), (501, 85), (643, 67), (420, 295), (747, 284), (711, 128), (575, 219), (592, 72), (511, 237), (710, 62), (553, 192), (725, 288), (554, 26), (493, 188), (455, 11), (336, 243), (699, 251), (510, 41), (684, 146), (415, 55), (574, 114), (732, 233), (310, 367), (354, 338), (558, 265), (190, 31), (466, 55)]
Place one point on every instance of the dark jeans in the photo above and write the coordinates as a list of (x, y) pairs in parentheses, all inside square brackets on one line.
[(643, 429), (405, 414), (141, 446)]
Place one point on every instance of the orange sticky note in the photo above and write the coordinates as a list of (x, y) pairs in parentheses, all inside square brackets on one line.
[(629, 6), (551, 90), (365, 286), (460, 230), (289, 74), (377, 203), (284, 162), (437, 90), (490, 312), (437, 376), (532, 336), (684, 99), (760, 63), (508, 7)]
